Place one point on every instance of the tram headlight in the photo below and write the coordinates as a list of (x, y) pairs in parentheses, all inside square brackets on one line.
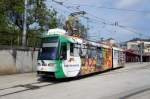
[(38, 64), (51, 64)]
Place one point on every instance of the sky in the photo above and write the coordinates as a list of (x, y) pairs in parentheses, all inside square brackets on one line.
[(134, 16)]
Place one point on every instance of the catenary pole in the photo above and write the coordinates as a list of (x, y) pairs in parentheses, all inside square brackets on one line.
[(24, 40)]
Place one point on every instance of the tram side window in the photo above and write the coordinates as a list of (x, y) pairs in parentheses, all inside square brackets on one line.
[(89, 51), (71, 49), (93, 52), (63, 55), (83, 51), (99, 56), (76, 50)]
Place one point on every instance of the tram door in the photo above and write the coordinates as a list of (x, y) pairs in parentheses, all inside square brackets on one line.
[(115, 58), (63, 51)]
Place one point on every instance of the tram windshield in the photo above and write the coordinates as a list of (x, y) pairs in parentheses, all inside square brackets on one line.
[(49, 49)]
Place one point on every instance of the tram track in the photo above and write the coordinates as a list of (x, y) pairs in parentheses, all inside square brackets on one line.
[(16, 86), (40, 84), (25, 87), (123, 70), (32, 86)]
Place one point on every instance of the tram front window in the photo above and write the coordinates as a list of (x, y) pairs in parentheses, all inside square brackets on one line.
[(48, 53), (48, 49)]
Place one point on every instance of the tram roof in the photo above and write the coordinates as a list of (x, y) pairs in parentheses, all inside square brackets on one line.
[(116, 48), (71, 39), (86, 42)]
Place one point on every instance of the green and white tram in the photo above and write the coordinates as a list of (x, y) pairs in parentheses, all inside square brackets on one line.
[(62, 56)]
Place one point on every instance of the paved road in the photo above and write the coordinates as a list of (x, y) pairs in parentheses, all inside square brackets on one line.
[(131, 82)]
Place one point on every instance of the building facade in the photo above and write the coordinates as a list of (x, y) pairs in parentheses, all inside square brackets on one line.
[(137, 48)]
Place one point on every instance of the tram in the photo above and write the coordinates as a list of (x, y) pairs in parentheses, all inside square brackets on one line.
[(63, 56)]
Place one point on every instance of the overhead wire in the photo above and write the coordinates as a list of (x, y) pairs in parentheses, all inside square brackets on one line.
[(112, 8), (101, 20)]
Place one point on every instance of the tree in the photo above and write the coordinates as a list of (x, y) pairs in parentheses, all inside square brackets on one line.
[(74, 26), (80, 29), (39, 17)]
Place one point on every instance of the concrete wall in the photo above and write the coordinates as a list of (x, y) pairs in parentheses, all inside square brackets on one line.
[(17, 60)]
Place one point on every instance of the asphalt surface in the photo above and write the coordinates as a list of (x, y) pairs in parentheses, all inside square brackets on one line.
[(131, 82)]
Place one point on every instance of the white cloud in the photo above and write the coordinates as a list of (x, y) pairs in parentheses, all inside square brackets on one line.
[(127, 3)]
